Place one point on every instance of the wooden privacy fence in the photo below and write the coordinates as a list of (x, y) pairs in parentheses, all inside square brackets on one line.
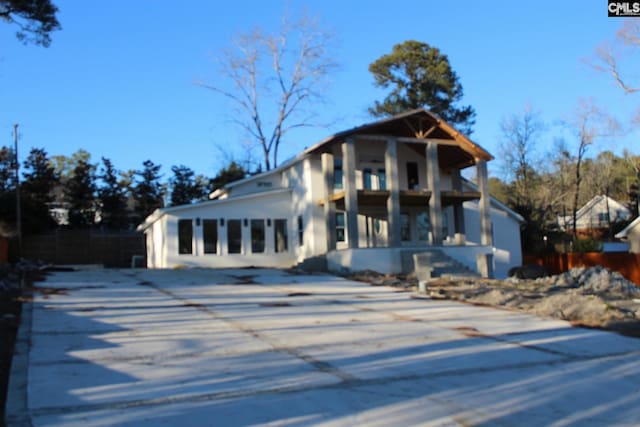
[(4, 250), (627, 264), (111, 249)]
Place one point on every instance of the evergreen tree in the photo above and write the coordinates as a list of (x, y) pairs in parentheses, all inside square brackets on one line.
[(112, 194), (37, 191), (147, 191), (185, 188), (36, 19), (233, 172), (7, 191), (80, 195), (420, 76)]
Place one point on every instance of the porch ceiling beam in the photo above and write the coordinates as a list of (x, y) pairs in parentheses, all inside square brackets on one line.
[(333, 197), (406, 139), (461, 195), (406, 194)]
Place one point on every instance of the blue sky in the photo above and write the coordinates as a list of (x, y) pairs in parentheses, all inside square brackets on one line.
[(118, 80)]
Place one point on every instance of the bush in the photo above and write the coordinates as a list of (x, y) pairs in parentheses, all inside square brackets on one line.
[(586, 245)]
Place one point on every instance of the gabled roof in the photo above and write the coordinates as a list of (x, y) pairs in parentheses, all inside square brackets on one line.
[(594, 201), (225, 189), (159, 213), (588, 207), (418, 123), (405, 124), (625, 233)]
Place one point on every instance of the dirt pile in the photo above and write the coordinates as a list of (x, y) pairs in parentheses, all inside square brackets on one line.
[(592, 297), (594, 281)]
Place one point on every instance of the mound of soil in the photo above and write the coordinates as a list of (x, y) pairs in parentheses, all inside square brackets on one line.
[(591, 297)]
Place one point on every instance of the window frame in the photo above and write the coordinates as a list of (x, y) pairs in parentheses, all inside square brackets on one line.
[(280, 225), (341, 227), (182, 239), (231, 227), (208, 244), (254, 244)]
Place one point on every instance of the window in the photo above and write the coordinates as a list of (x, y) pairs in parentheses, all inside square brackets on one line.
[(300, 231), (405, 228), (424, 226), (366, 179), (185, 236), (281, 237), (603, 217), (257, 235), (376, 226), (445, 226), (340, 226), (412, 176), (337, 174), (382, 179), (210, 235), (234, 236)]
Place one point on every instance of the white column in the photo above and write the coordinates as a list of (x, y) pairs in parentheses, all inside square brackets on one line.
[(350, 191), (223, 244), (486, 233), (458, 210), (245, 226), (435, 201), (329, 207), (484, 261), (393, 185)]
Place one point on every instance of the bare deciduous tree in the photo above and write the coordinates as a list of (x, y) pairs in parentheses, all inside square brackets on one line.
[(609, 55), (275, 80), (588, 123), (519, 135), (560, 182)]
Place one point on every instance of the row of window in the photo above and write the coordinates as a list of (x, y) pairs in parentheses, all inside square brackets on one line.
[(423, 226), (375, 178), (258, 229)]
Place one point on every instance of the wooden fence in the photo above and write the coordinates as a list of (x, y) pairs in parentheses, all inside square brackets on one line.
[(627, 264), (111, 249), (4, 250)]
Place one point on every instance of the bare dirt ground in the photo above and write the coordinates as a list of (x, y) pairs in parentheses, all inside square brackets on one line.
[(590, 297), (10, 307)]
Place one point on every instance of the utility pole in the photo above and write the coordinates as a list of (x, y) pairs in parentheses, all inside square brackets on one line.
[(18, 208)]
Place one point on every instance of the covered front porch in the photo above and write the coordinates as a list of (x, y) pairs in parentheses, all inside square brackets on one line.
[(397, 185)]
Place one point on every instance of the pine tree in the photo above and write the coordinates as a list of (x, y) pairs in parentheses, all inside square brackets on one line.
[(148, 192), (420, 76), (233, 172), (36, 190), (80, 194), (113, 198), (185, 188), (7, 191)]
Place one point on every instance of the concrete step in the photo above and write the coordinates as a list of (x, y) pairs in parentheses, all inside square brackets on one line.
[(434, 263)]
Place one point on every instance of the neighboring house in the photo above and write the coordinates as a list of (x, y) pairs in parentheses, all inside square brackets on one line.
[(365, 198), (59, 212), (632, 234), (595, 217)]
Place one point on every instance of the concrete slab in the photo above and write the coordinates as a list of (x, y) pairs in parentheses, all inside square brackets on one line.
[(265, 347)]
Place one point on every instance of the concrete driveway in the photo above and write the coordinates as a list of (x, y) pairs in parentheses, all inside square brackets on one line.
[(263, 347)]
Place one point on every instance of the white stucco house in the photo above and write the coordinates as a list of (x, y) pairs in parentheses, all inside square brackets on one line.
[(364, 198), (595, 216), (631, 234)]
